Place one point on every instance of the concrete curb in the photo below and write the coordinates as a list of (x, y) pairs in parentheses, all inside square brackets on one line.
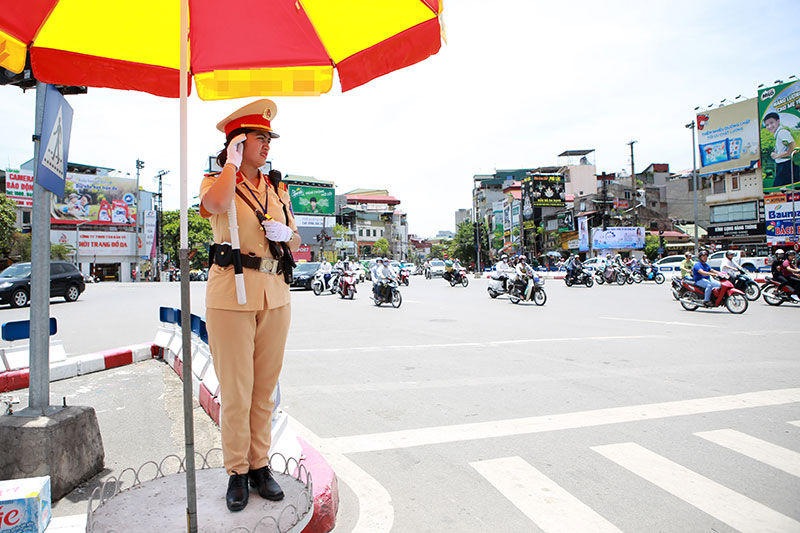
[(77, 366)]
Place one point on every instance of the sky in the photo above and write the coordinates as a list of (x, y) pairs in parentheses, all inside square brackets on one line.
[(517, 83)]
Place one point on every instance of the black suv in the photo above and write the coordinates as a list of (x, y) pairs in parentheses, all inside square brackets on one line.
[(15, 283)]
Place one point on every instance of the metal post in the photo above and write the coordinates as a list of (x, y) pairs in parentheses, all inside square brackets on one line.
[(186, 331), (694, 181), (39, 390)]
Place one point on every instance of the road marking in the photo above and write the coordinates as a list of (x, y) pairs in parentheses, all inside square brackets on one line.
[(663, 322), (468, 344), (760, 450), (795, 423), (542, 500), (539, 424), (730, 507), (375, 509)]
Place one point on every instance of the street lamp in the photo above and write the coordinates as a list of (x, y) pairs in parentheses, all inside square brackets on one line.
[(694, 178)]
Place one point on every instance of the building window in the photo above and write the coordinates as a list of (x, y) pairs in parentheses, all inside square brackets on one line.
[(733, 212), (718, 185), (360, 232), (627, 195), (734, 182)]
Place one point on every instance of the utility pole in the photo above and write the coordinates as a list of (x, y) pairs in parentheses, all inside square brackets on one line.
[(138, 277), (157, 267), (694, 186), (633, 188)]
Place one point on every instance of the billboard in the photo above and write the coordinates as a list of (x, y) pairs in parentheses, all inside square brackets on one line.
[(19, 187), (312, 200), (544, 190), (583, 234), (780, 216), (728, 138), (102, 243), (779, 118), (621, 238), (99, 199)]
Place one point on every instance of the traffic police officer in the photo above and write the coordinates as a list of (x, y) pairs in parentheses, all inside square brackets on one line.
[(247, 341)]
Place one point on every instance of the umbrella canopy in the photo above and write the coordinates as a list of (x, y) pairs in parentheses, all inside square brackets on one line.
[(237, 48)]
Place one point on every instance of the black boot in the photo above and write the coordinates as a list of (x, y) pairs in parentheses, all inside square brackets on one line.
[(236, 498), (261, 479)]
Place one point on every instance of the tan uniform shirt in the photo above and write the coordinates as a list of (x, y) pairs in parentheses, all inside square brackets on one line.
[(263, 290)]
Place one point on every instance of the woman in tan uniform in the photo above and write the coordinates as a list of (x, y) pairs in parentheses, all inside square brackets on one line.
[(247, 341)]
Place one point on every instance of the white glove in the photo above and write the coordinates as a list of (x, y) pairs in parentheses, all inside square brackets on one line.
[(235, 151), (277, 232)]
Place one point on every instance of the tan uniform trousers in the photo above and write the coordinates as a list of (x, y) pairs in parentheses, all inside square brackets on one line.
[(247, 348)]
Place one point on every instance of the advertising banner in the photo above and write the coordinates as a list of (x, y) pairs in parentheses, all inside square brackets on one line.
[(621, 238), (728, 138), (116, 243), (148, 248), (750, 229), (544, 190), (19, 187), (583, 234), (314, 222), (497, 211), (312, 200), (566, 221), (507, 222), (780, 215), (779, 117), (99, 199)]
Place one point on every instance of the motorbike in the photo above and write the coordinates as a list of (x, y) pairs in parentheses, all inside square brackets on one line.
[(347, 284), (404, 276), (388, 293), (319, 285), (498, 286), (610, 275), (691, 296), (745, 283), (676, 287), (527, 288), (584, 277), (458, 276), (650, 273), (775, 293)]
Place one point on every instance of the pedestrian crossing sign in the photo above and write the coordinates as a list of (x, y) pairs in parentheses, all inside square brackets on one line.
[(51, 167)]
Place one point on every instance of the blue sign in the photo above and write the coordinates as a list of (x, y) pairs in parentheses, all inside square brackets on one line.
[(51, 168)]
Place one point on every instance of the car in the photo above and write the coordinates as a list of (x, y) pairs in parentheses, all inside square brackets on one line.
[(303, 274), (595, 263), (671, 263), (15, 283), (410, 266), (437, 267)]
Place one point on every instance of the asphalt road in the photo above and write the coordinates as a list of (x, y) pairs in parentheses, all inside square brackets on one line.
[(608, 409)]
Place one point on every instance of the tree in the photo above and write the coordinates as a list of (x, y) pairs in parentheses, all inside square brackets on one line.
[(441, 250), (200, 236), (8, 223), (21, 249), (651, 243), (381, 247), (462, 247)]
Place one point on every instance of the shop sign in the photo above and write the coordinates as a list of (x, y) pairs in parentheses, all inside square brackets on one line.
[(751, 229), (19, 187), (116, 243)]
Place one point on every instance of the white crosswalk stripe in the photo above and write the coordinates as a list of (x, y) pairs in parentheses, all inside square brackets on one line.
[(724, 504), (542, 500), (760, 450)]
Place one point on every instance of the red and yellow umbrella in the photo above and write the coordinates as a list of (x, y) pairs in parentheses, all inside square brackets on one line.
[(237, 48)]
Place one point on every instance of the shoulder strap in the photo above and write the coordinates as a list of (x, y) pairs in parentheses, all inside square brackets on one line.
[(246, 200)]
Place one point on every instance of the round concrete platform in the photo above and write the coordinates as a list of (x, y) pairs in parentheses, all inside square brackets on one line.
[(160, 505)]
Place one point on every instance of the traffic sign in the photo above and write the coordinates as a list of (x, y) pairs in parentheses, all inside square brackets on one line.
[(51, 168), (796, 247)]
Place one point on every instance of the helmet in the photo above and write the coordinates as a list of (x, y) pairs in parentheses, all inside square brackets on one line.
[(504, 257), (728, 252), (790, 252), (779, 251), (522, 258)]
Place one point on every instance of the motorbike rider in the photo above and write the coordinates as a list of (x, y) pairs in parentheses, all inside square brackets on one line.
[(644, 266), (523, 268), (501, 270), (729, 266), (383, 273), (791, 274), (448, 269), (687, 265), (325, 269), (569, 266), (701, 274)]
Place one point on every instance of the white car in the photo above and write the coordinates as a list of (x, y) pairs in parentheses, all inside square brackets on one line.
[(437, 267), (671, 263), (595, 264)]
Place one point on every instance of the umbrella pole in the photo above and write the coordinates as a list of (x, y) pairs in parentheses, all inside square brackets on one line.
[(186, 331)]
